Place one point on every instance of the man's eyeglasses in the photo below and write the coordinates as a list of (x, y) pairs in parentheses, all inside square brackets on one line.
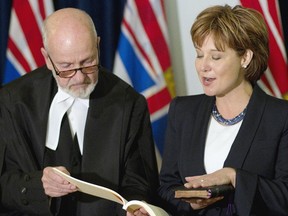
[(70, 73)]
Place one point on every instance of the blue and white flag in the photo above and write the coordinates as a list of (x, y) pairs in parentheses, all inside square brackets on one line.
[(143, 60)]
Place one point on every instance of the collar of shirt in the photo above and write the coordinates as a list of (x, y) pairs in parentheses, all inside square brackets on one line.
[(77, 115), (76, 109), (62, 96)]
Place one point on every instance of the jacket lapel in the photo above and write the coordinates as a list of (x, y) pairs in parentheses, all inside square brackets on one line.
[(247, 131), (42, 89), (198, 135)]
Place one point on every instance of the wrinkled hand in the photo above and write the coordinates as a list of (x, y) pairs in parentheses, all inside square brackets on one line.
[(54, 185), (139, 212)]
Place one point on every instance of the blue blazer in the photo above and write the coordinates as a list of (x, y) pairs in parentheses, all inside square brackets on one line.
[(259, 154)]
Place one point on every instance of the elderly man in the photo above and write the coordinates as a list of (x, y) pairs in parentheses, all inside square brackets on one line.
[(74, 115)]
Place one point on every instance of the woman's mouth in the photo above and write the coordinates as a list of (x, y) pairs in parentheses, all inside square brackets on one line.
[(207, 80)]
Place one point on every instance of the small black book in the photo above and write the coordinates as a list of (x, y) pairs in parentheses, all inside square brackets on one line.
[(203, 192)]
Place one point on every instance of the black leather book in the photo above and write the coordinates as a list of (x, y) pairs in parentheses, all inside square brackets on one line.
[(203, 192)]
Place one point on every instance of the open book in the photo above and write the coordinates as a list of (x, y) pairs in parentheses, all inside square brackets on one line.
[(203, 192), (109, 194)]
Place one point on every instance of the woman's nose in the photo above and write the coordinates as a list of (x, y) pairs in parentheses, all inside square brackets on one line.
[(205, 65)]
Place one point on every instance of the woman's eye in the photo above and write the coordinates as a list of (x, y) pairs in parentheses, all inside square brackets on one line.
[(215, 57)]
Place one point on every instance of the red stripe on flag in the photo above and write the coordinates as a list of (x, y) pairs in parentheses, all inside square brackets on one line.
[(276, 61), (278, 67), (42, 9), (158, 100), (138, 45), (154, 32), (275, 13), (162, 8), (18, 55), (30, 28)]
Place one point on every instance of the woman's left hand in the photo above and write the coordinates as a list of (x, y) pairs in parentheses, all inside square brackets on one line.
[(197, 203)]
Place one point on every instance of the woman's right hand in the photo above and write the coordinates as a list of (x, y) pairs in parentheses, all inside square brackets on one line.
[(197, 204)]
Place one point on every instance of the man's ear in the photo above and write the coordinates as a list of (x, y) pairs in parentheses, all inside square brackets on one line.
[(98, 47), (46, 58), (247, 57)]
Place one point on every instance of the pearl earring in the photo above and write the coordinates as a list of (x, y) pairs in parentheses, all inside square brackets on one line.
[(244, 66)]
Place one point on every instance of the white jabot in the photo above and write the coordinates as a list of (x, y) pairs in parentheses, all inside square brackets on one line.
[(59, 106), (77, 115), (76, 108)]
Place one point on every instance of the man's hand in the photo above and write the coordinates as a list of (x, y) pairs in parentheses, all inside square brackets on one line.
[(139, 212), (54, 185)]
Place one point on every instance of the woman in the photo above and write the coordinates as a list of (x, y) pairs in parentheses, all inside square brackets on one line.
[(234, 133)]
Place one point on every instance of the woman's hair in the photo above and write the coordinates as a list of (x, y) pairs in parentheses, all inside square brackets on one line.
[(238, 28)]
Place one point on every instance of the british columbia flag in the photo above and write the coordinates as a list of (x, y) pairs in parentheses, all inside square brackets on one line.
[(143, 60), (275, 79), (25, 40)]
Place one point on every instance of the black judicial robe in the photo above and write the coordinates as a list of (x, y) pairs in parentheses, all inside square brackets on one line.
[(118, 145)]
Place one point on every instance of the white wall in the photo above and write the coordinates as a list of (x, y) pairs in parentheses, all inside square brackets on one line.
[(180, 16)]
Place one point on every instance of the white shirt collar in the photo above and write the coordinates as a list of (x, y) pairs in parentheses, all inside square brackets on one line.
[(61, 95), (77, 118)]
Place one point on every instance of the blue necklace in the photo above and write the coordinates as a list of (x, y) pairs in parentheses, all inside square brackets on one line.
[(219, 118)]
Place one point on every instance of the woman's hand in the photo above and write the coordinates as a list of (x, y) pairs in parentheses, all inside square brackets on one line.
[(220, 177), (202, 203)]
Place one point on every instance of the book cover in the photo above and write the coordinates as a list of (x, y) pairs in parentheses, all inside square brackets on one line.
[(106, 193), (203, 192)]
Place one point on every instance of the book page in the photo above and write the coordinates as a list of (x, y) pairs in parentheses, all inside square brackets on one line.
[(192, 194), (106, 193), (206, 192), (93, 189)]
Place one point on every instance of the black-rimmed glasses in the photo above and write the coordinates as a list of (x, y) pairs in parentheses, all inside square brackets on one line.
[(70, 73)]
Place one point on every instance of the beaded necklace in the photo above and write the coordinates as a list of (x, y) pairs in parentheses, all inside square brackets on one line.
[(219, 118)]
